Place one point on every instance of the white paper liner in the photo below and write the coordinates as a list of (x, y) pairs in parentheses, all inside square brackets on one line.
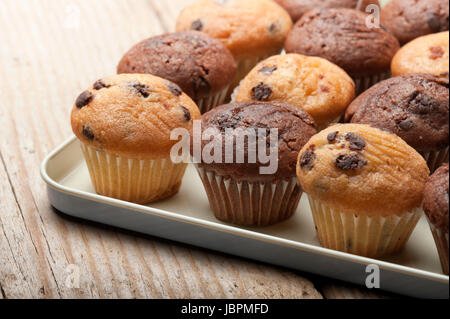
[(208, 103), (250, 204), (133, 180), (365, 82), (436, 158), (441, 239), (362, 235)]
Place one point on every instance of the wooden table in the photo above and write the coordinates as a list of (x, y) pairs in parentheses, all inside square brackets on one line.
[(50, 50)]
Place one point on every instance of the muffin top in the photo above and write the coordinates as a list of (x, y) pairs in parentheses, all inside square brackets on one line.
[(313, 84), (247, 28), (199, 64), (427, 54), (343, 37), (362, 170), (132, 115), (297, 8), (435, 198), (410, 19), (230, 123), (413, 106)]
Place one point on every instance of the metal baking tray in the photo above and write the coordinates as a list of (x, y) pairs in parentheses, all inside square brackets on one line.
[(187, 218)]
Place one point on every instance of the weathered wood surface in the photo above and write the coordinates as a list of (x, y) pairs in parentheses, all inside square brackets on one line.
[(50, 50)]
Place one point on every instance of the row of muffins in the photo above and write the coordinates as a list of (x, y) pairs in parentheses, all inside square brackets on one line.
[(124, 121)]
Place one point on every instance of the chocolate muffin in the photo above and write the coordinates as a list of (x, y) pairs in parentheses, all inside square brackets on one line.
[(297, 8), (414, 107), (240, 191), (410, 19), (201, 66), (435, 205), (343, 37)]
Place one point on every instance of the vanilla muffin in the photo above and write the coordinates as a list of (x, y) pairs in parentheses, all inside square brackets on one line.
[(435, 205), (313, 84), (202, 66), (427, 54), (414, 107), (252, 29), (365, 188), (410, 19), (124, 124), (343, 37), (297, 8), (248, 191)]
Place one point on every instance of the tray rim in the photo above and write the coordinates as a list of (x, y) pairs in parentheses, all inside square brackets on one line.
[(234, 230)]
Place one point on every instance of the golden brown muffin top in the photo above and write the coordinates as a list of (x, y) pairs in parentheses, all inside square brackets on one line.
[(362, 170), (132, 115), (315, 85), (427, 54), (247, 28), (435, 201)]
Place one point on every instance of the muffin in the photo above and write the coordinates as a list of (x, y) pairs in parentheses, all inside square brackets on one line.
[(365, 188), (124, 124), (201, 66), (413, 106), (427, 54), (297, 8), (243, 188), (343, 37), (410, 19), (435, 205), (252, 29), (313, 84)]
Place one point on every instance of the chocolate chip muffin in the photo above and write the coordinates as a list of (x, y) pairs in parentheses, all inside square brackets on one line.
[(252, 29), (413, 106), (297, 8), (124, 124), (427, 54), (200, 65), (245, 187), (362, 182), (435, 205), (343, 37), (313, 84), (410, 19)]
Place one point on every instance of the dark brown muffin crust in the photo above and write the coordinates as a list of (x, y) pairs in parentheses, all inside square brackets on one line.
[(199, 64), (297, 8), (413, 106), (435, 199), (295, 128), (342, 37), (410, 19)]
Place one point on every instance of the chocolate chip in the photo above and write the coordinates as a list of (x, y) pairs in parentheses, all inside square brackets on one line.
[(201, 85), (307, 159), (350, 162), (436, 53), (100, 85), (186, 113), (324, 88), (272, 28), (261, 92), (88, 133), (174, 89), (142, 89), (197, 25), (433, 22), (357, 143), (84, 99), (332, 137), (406, 124), (268, 69)]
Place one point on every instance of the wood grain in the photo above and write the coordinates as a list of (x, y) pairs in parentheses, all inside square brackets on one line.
[(50, 51)]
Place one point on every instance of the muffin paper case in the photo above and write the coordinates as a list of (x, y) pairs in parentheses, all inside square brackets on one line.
[(250, 203), (207, 103), (436, 159), (441, 239), (372, 237), (364, 83), (133, 180)]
